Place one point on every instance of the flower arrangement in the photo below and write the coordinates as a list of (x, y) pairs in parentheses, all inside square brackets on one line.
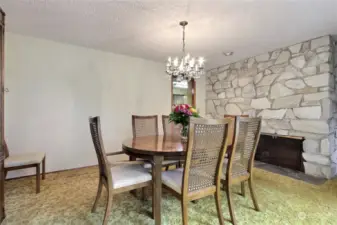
[(181, 114)]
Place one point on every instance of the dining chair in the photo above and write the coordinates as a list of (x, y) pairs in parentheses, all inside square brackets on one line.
[(170, 129), (148, 126), (201, 175), (116, 177), (24, 161), (239, 167)]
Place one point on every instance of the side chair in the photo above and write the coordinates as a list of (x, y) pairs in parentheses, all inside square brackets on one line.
[(239, 167), (201, 175), (24, 161), (116, 177)]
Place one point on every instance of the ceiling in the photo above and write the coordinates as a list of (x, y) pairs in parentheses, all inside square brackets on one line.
[(149, 28)]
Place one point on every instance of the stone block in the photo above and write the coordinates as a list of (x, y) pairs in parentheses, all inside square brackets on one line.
[(251, 62), (287, 102), (321, 80), (258, 77), (283, 57), (315, 96), (286, 76), (279, 124), (223, 75), (290, 114), (312, 169), (310, 70), (325, 147), (316, 158), (233, 109), (225, 84), (235, 83), (220, 110), (295, 48), (272, 114), (262, 91), (325, 68), (311, 146), (237, 92), (277, 68), (250, 113), (282, 132), (298, 62), (295, 84), (260, 103), (275, 54), (210, 107), (305, 46), (326, 106), (236, 100), (216, 102), (248, 91), (262, 58), (222, 95), (311, 126), (313, 112), (267, 80), (244, 81), (320, 58), (319, 42), (267, 130), (307, 135), (279, 90), (211, 94), (264, 65), (208, 87), (213, 78), (323, 49), (267, 72)]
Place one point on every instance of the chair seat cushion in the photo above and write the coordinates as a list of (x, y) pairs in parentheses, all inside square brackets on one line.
[(24, 159), (237, 169), (126, 175), (173, 179)]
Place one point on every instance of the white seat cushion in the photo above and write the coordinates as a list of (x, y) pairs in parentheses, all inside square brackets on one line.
[(24, 159), (126, 175), (173, 179)]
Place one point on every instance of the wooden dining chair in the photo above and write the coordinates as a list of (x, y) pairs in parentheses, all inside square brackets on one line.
[(239, 167), (170, 129), (201, 175), (116, 177), (148, 126), (24, 161)]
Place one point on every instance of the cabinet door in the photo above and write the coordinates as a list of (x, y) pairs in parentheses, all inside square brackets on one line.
[(2, 155)]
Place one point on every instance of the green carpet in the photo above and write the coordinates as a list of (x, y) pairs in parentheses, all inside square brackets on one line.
[(67, 197)]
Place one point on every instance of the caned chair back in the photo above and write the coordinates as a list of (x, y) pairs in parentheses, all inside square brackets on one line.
[(206, 148), (103, 163), (231, 129), (246, 140), (144, 125), (169, 128)]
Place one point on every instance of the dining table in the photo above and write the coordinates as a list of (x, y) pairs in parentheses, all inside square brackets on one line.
[(155, 149)]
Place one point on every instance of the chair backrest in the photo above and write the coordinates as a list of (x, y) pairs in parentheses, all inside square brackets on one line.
[(103, 164), (232, 127), (144, 125), (170, 129), (247, 137), (206, 148)]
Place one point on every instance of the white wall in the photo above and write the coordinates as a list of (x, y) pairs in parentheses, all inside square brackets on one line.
[(55, 87)]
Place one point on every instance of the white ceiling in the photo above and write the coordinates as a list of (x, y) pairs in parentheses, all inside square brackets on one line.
[(149, 28)]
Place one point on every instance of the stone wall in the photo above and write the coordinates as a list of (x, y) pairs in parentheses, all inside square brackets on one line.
[(292, 89)]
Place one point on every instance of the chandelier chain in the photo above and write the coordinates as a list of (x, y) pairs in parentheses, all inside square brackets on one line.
[(184, 39)]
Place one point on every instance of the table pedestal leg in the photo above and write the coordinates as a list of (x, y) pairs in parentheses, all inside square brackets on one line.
[(157, 189), (132, 158)]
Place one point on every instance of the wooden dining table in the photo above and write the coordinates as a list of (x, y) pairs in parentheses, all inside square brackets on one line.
[(155, 149)]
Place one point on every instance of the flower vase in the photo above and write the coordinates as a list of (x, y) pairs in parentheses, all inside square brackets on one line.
[(183, 134)]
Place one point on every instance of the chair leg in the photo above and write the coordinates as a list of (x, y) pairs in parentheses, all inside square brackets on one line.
[(252, 193), (218, 206), (5, 175), (108, 208), (145, 191), (38, 177), (98, 195), (44, 168), (243, 193), (230, 204), (184, 208), (167, 168)]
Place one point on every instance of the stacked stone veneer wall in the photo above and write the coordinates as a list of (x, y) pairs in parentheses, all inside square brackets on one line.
[(292, 89)]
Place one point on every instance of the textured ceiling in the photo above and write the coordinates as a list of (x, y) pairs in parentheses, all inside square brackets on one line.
[(149, 28)]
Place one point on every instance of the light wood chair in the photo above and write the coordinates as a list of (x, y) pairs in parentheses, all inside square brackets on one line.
[(147, 126), (170, 129), (119, 177), (239, 167), (201, 175), (24, 161)]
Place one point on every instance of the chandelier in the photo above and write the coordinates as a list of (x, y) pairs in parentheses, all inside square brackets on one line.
[(185, 67)]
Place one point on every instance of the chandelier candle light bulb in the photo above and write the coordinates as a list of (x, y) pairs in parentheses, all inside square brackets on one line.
[(185, 67)]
